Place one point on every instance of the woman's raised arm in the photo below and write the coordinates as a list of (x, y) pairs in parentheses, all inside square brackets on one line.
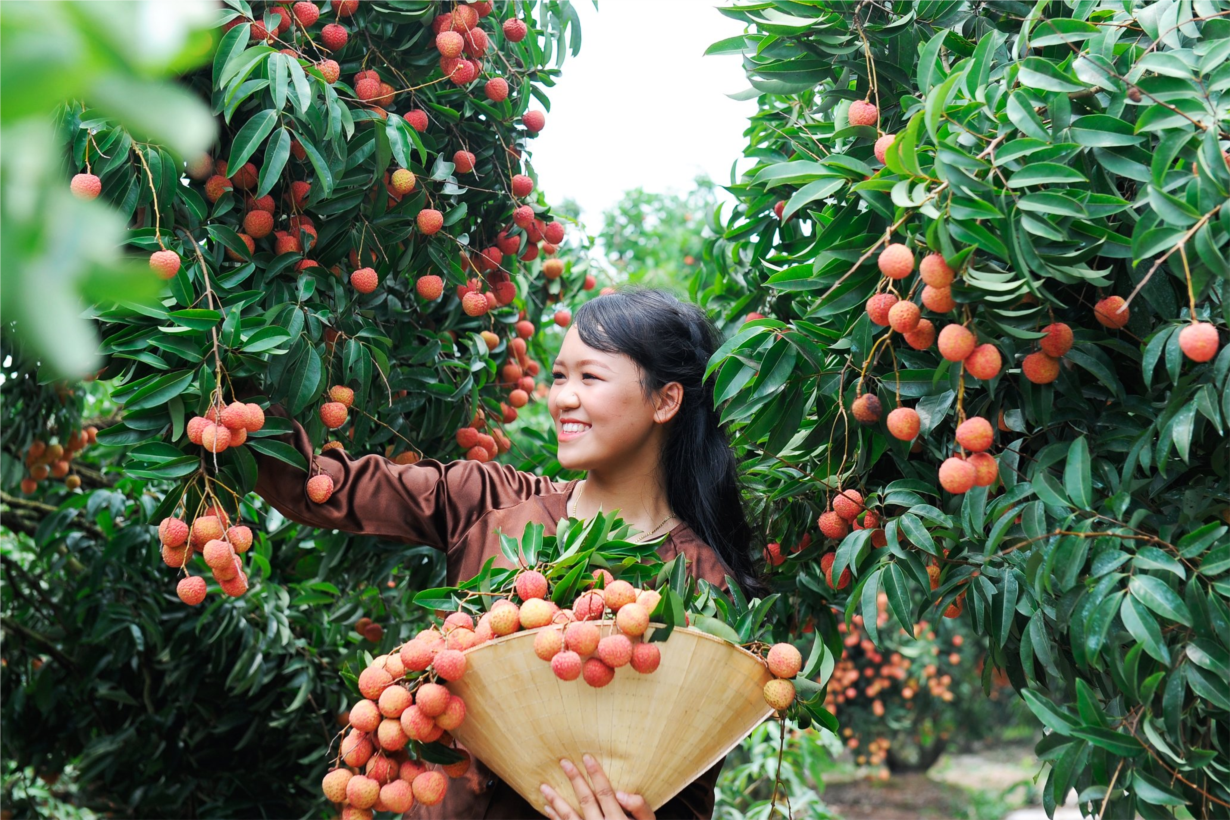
[(431, 502)]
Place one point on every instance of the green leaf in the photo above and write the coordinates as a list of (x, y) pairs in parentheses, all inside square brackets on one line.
[(304, 380), (1077, 479), (1159, 597), (1143, 627), (1056, 719), (279, 450), (715, 627), (276, 156), (1045, 173), (251, 135), (898, 591)]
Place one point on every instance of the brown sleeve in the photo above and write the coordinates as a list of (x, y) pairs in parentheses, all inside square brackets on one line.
[(695, 801), (430, 502)]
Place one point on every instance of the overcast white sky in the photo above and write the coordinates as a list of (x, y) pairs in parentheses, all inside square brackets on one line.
[(641, 105)]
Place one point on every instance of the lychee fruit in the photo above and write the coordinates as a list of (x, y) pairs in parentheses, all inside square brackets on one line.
[(240, 538), (450, 664), (463, 162), (878, 307), (863, 113), (429, 221), (531, 584), (165, 263), (1112, 312), (416, 725), (833, 525), (474, 304), (319, 488), (397, 796), (1040, 368), (496, 89), (429, 788), (826, 566), (416, 655), (986, 468), (975, 434), (553, 268), (922, 336), (450, 44), (356, 749), (983, 362), (646, 657), (215, 438), (329, 69), (904, 316), (430, 287), (617, 594), (334, 783), (454, 714), (362, 792), (402, 181), (173, 532), (522, 186), (534, 121), (848, 504), (956, 342), (773, 554), (938, 300), (432, 698), (515, 30), (563, 318), (334, 37), (582, 637), (505, 620), (779, 693), (896, 261), (589, 606), (191, 590), (881, 147), (956, 475), (333, 414), (548, 643), (935, 271), (866, 408), (566, 665), (596, 673), (364, 280), (372, 681), (85, 186), (416, 118), (784, 660), (535, 613), (205, 529), (1199, 341), (366, 714), (632, 620), (615, 650), (649, 598), (1057, 341), (904, 423)]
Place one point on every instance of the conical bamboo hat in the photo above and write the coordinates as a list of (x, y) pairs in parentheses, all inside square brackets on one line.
[(652, 734)]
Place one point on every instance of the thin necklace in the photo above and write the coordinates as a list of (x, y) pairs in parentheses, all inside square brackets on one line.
[(576, 500)]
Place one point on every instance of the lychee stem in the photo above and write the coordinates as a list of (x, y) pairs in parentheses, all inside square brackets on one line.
[(1187, 274), (150, 178)]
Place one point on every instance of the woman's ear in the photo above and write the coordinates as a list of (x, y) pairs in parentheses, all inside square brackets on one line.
[(669, 400)]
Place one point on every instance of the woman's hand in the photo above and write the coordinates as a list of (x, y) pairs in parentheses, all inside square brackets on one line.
[(600, 803)]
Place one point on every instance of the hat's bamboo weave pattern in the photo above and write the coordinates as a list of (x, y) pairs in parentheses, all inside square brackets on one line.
[(653, 734)]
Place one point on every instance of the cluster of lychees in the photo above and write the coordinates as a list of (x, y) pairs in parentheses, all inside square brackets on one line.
[(54, 460), (575, 647), (221, 544), (784, 661), (378, 773), (225, 426)]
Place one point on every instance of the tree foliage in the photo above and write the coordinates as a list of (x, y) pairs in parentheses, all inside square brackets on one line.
[(1053, 154)]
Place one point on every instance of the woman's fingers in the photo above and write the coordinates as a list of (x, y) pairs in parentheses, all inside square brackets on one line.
[(590, 810), (635, 805), (556, 807), (602, 789)]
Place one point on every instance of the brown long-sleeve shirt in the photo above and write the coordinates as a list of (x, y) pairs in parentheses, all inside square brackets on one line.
[(456, 507)]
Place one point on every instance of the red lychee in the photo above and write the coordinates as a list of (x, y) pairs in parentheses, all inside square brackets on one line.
[(848, 504), (463, 162), (878, 307), (191, 590), (896, 261), (904, 423), (450, 43), (975, 434), (866, 408), (986, 468), (957, 475), (534, 121), (333, 414), (522, 186), (935, 271), (1199, 341), (165, 263), (646, 657), (515, 30), (615, 650), (1057, 341), (430, 221), (215, 438), (826, 566), (334, 37), (984, 362), (240, 538), (86, 186), (1112, 312), (319, 488), (880, 149), (779, 693), (531, 584), (904, 316), (863, 113), (596, 673), (563, 318), (566, 665), (1040, 368), (173, 532), (938, 299), (833, 525), (474, 304), (784, 660), (956, 342), (582, 637), (922, 336), (416, 118), (450, 664), (258, 224), (496, 89)]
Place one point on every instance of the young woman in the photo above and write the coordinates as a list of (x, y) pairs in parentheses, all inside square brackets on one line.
[(631, 409)]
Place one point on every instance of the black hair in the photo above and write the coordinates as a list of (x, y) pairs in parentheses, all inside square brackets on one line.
[(672, 341)]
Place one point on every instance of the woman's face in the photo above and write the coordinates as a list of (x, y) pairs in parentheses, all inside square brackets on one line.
[(599, 408)]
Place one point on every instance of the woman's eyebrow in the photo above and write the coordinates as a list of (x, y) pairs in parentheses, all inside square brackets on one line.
[(582, 363)]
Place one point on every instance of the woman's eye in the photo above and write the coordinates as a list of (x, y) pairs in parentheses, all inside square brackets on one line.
[(588, 376), (557, 375)]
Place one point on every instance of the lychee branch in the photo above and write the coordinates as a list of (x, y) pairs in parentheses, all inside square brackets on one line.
[(1183, 240), (150, 178)]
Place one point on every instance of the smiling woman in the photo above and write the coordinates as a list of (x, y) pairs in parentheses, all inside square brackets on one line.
[(632, 408)]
